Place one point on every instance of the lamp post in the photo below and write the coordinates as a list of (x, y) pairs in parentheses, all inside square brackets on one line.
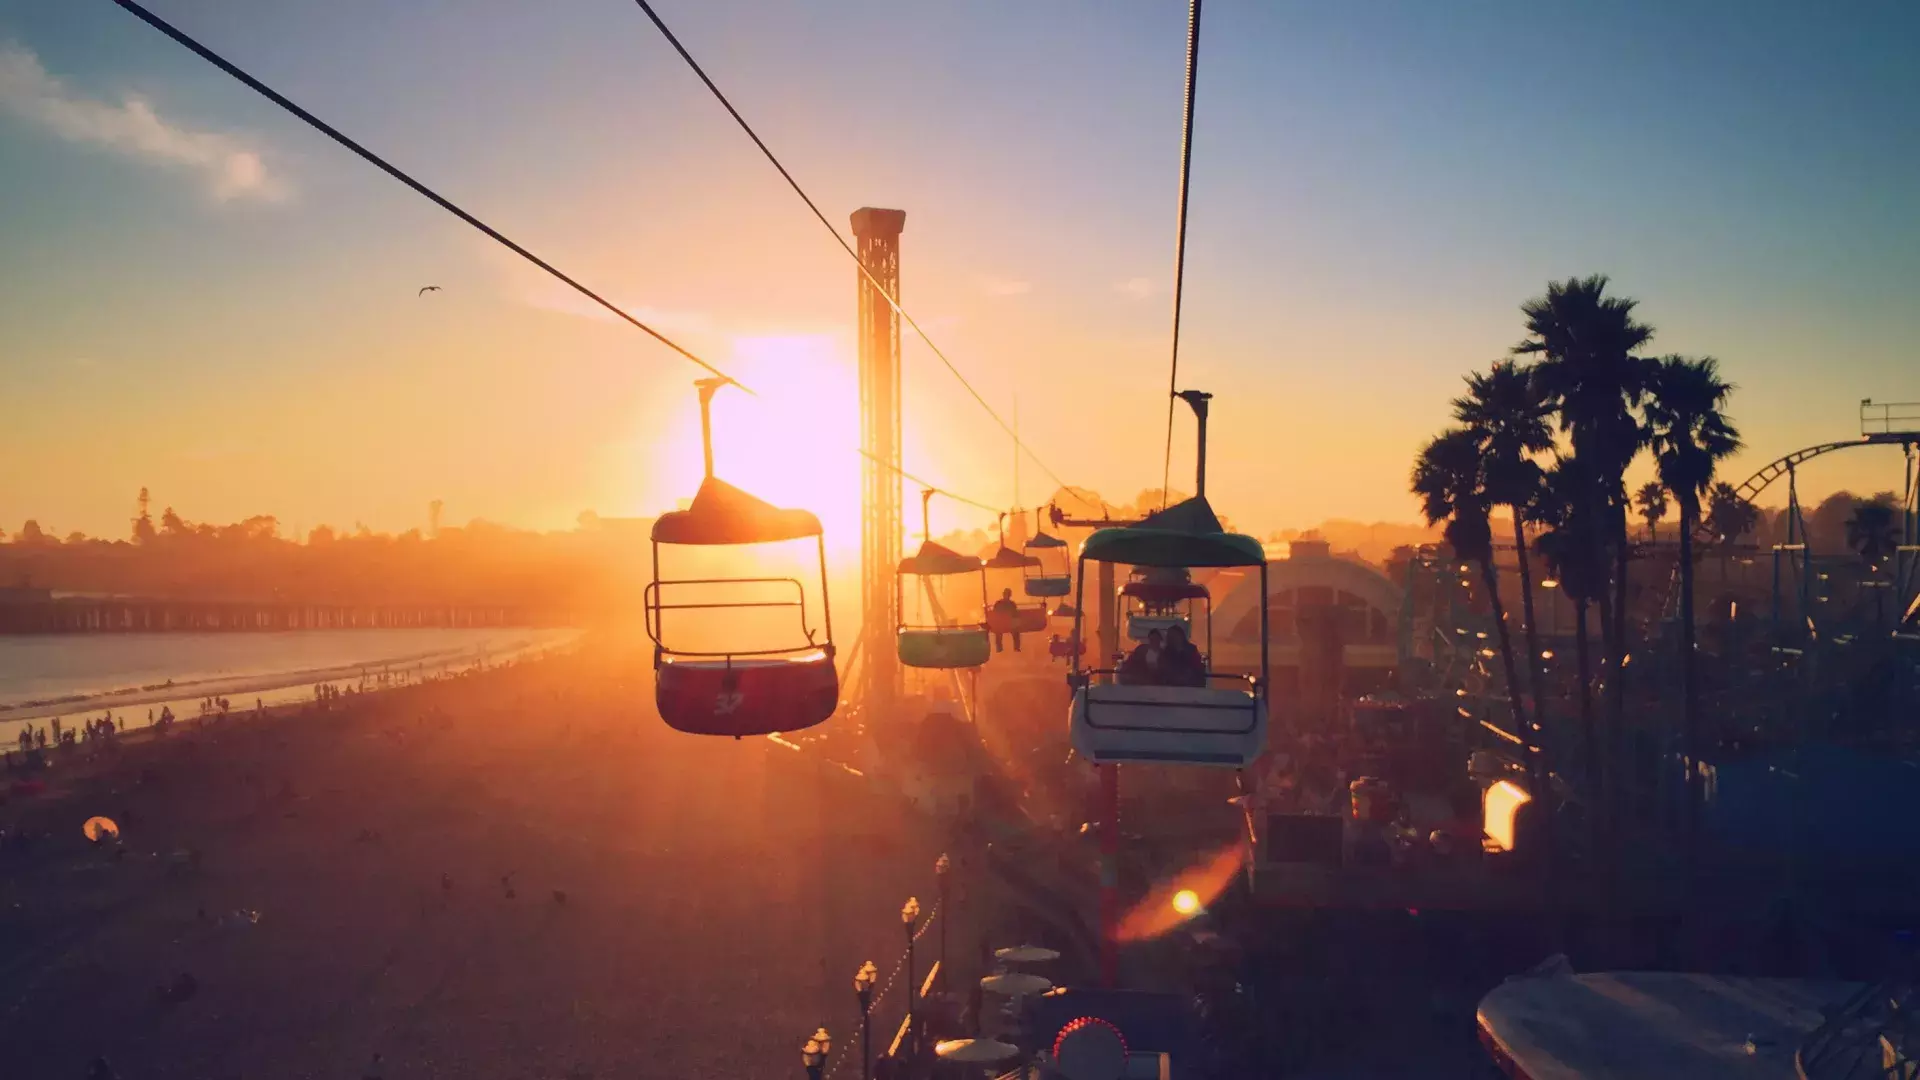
[(942, 867), (814, 1054), (910, 915), (863, 981)]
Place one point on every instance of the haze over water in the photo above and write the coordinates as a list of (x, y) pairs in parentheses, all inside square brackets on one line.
[(72, 674)]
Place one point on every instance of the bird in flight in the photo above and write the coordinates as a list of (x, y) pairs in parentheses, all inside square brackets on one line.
[(425, 289)]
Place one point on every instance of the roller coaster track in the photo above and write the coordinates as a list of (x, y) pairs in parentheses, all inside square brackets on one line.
[(1760, 481)]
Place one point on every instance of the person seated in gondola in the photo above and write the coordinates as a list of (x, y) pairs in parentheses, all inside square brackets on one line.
[(1181, 663), (1142, 665), (1006, 609)]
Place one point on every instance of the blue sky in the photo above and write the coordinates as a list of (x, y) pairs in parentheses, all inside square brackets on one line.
[(205, 297)]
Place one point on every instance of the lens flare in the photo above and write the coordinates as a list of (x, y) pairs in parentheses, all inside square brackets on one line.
[(1170, 905)]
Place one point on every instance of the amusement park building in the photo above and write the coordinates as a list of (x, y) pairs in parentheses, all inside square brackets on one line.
[(1333, 620)]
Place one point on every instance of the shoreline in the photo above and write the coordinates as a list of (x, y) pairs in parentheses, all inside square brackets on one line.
[(273, 688)]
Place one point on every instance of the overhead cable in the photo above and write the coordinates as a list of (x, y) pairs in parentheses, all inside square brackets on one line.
[(892, 302), (1180, 236), (376, 160)]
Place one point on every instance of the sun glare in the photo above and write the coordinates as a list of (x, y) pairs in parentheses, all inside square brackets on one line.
[(792, 442)]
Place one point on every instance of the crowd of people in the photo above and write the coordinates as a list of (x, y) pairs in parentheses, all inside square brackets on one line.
[(1164, 659)]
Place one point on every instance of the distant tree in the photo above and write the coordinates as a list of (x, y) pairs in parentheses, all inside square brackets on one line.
[(1449, 479), (588, 521), (433, 517), (173, 524), (1873, 532), (260, 527), (76, 538), (31, 535), (1729, 516), (1651, 501), (321, 536), (143, 531), (1690, 435)]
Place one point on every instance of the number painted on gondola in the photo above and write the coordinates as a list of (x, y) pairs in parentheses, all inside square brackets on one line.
[(725, 702)]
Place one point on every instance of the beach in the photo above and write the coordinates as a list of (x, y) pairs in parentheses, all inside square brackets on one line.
[(85, 676), (516, 873)]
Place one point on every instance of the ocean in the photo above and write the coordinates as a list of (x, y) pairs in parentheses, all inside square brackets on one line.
[(89, 675)]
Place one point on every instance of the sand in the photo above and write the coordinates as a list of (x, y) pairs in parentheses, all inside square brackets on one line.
[(719, 895)]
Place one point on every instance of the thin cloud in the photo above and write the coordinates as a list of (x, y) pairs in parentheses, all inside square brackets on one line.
[(231, 169), (1138, 288), (523, 283), (1006, 287)]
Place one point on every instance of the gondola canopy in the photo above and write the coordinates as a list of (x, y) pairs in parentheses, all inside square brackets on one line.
[(723, 514), (1185, 534)]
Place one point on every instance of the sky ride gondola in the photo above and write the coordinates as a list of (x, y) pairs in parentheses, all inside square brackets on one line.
[(946, 641), (1222, 722), (1042, 579), (738, 692), (1009, 616), (1162, 598)]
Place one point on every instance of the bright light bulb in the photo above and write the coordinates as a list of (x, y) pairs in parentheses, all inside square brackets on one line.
[(1186, 902)]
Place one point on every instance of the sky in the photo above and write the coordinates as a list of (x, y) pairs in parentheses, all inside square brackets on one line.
[(200, 295)]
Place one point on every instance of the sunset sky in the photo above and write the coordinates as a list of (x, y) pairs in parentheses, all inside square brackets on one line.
[(203, 296)]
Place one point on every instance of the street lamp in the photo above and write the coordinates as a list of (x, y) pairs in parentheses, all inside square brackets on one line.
[(863, 981), (814, 1054), (909, 915), (942, 867)]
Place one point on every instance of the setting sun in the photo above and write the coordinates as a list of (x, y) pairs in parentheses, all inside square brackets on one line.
[(790, 442)]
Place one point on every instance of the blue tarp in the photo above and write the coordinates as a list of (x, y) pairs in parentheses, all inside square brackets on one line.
[(1832, 803)]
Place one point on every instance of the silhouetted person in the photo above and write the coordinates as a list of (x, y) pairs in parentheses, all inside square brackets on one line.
[(1142, 665), (1181, 664), (1006, 609)]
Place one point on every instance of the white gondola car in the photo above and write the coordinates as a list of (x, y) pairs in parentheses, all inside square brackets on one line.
[(1217, 719), (1163, 598)]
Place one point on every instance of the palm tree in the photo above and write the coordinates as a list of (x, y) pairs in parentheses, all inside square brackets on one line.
[(1586, 341), (1508, 416), (1576, 557), (1449, 478), (1873, 530), (1729, 515), (1651, 501), (1690, 437)]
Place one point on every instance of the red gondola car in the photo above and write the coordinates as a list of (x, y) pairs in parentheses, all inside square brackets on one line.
[(739, 693)]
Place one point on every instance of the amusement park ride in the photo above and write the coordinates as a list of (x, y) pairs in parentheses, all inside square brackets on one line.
[(738, 693)]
